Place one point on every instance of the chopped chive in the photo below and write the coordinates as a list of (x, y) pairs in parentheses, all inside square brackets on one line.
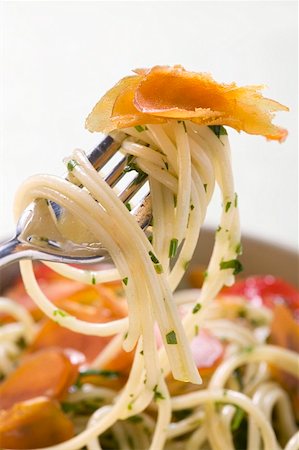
[(130, 406), (196, 330), (232, 264), (205, 275), (175, 200), (236, 200), (150, 238), (173, 247), (219, 130), (71, 165), (93, 279), (157, 394), (128, 206), (158, 268), (205, 186), (139, 128), (60, 312), (218, 229), (141, 352), (125, 280), (237, 418), (196, 308), (184, 125), (153, 257), (239, 249), (227, 206), (125, 335), (192, 207), (171, 338), (166, 164)]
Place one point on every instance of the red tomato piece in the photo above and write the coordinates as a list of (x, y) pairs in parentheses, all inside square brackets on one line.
[(267, 291)]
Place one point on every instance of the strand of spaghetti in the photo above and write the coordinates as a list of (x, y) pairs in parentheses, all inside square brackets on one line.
[(265, 398), (282, 358), (293, 443), (109, 352), (165, 312), (197, 439), (21, 314), (163, 420), (163, 142), (187, 425), (228, 330), (84, 276), (158, 215), (184, 180), (235, 398)]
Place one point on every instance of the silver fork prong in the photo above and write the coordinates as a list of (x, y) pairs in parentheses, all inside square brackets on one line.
[(117, 173)]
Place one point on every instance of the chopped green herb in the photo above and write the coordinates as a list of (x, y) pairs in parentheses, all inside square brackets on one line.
[(236, 200), (196, 308), (141, 352), (71, 165), (158, 268), (135, 419), (219, 130), (173, 247), (157, 394), (242, 313), (109, 374), (192, 207), (196, 330), (248, 349), (166, 164), (82, 408), (227, 206), (93, 279), (181, 414), (205, 275), (239, 249), (130, 406), (59, 312), (238, 376), (205, 186), (128, 206), (237, 419), (150, 238), (153, 257), (184, 125), (139, 128), (232, 264), (125, 280), (175, 200), (125, 335), (218, 229), (171, 338)]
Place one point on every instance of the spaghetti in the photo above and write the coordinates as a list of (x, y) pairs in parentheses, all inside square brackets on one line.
[(184, 160)]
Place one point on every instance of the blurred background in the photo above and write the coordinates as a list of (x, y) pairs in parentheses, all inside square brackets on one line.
[(58, 58)]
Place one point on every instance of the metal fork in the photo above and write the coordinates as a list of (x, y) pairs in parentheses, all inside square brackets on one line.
[(36, 240)]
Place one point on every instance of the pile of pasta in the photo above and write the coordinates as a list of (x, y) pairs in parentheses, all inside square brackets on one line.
[(116, 357)]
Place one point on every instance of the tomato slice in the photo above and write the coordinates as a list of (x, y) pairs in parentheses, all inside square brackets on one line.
[(35, 423), (46, 373), (266, 291)]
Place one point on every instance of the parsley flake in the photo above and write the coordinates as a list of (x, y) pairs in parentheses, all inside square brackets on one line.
[(196, 308), (171, 338), (232, 264)]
